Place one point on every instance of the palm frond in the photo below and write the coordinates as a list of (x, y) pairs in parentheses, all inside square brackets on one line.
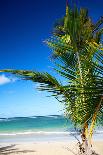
[(46, 81)]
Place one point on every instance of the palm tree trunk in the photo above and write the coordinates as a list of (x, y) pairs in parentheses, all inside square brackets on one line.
[(84, 145), (93, 121), (84, 136)]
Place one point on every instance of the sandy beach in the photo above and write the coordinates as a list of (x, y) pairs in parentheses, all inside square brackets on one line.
[(45, 148)]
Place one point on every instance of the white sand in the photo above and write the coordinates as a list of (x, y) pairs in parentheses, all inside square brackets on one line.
[(46, 148)]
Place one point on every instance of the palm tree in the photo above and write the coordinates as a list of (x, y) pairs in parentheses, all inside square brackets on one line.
[(81, 47), (77, 54)]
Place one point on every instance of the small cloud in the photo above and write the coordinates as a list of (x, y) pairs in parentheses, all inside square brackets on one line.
[(4, 79)]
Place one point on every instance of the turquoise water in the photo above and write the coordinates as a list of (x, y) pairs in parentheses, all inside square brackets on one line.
[(36, 123), (39, 128)]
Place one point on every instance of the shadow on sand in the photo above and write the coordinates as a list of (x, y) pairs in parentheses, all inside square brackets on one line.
[(7, 150)]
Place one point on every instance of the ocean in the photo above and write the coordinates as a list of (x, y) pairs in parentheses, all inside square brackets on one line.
[(35, 123), (37, 128)]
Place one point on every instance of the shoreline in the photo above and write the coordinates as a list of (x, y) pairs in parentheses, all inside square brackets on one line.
[(41, 136), (45, 132)]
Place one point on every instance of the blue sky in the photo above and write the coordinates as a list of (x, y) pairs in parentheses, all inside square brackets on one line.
[(24, 25)]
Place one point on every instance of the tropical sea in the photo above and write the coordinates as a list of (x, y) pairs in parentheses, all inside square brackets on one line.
[(39, 128)]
